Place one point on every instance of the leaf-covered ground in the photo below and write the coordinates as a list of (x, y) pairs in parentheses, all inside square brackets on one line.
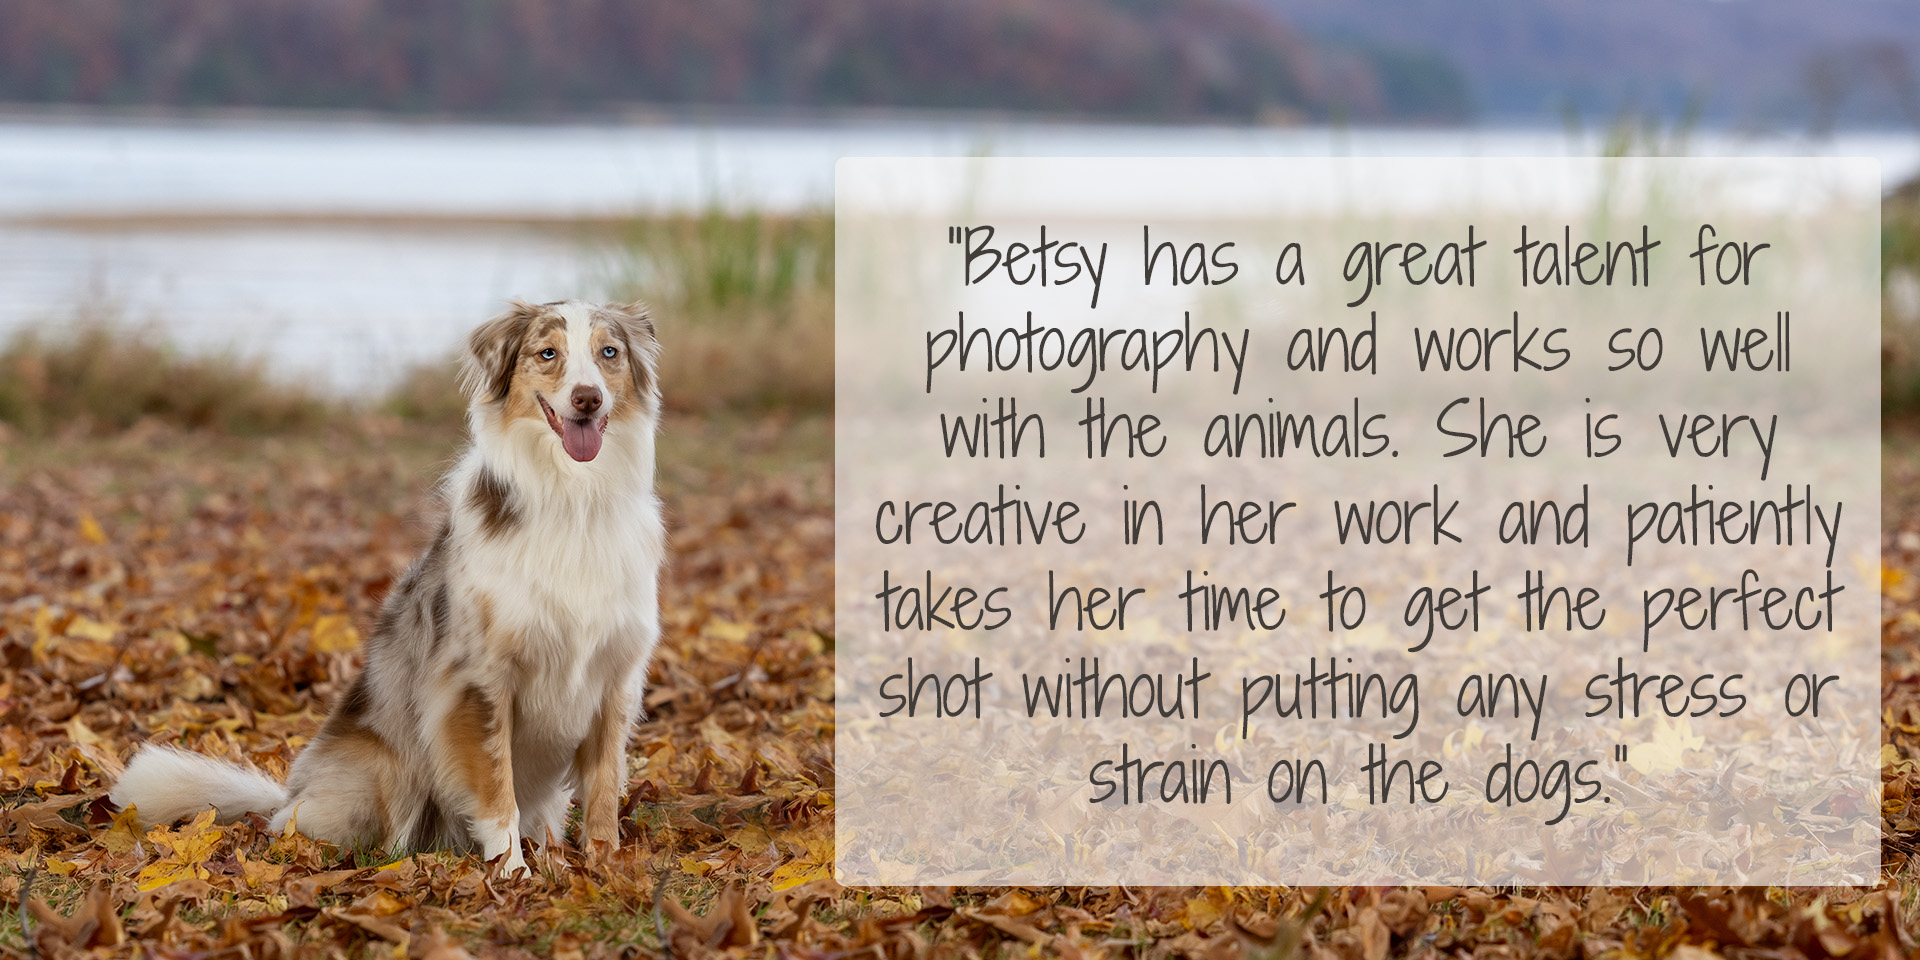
[(165, 586)]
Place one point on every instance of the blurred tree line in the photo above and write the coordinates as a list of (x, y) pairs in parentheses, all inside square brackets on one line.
[(1144, 59)]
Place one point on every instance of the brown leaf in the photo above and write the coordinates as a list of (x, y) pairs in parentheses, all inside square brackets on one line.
[(1199, 947), (1258, 928), (729, 923), (1068, 949), (1403, 911), (1558, 940), (94, 924), (45, 815), (1715, 917), (384, 929), (434, 945), (306, 891), (1005, 924), (745, 933), (1013, 903), (1375, 939), (791, 909)]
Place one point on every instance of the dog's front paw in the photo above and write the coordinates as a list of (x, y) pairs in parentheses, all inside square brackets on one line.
[(515, 865), (598, 851), (505, 851), (600, 835)]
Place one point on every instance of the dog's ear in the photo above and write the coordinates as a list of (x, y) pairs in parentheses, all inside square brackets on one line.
[(493, 349), (634, 325)]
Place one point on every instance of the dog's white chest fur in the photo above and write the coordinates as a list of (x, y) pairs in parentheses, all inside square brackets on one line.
[(573, 592), (567, 560)]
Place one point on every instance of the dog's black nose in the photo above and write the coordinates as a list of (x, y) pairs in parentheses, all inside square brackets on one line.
[(586, 400)]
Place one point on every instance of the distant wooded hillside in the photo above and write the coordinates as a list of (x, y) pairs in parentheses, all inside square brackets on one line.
[(1797, 64), (1150, 59)]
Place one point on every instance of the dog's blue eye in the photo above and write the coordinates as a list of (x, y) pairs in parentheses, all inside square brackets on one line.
[(609, 353), (549, 353)]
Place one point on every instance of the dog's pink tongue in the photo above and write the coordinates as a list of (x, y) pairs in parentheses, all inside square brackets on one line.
[(581, 438)]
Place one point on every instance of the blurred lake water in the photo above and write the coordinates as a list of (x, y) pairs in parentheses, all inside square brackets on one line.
[(347, 252)]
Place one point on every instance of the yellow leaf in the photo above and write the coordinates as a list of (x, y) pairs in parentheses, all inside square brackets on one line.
[(88, 628), (260, 873), (731, 631), (124, 833), (751, 840), (78, 732), (694, 868), (1461, 741), (334, 633), (1890, 757), (62, 868), (173, 640), (1200, 912), (263, 874), (813, 858), (193, 685), (714, 733), (90, 529), (797, 872), (43, 624), (1665, 752), (1895, 583), (188, 850), (163, 872), (811, 639)]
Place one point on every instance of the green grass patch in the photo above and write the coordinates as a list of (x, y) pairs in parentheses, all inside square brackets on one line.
[(743, 303)]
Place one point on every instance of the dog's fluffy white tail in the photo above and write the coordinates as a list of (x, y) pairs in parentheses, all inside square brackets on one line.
[(168, 784)]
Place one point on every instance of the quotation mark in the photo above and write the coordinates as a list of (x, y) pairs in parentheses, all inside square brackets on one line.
[(1620, 753)]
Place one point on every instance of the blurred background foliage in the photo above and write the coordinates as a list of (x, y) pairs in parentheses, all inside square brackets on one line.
[(1900, 300), (1150, 59), (1753, 63)]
